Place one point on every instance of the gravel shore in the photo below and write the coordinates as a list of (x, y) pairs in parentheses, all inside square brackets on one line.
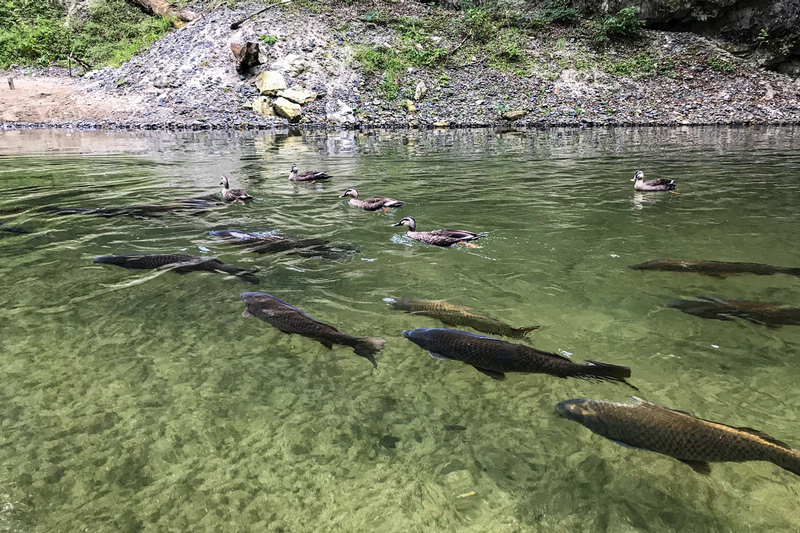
[(188, 80)]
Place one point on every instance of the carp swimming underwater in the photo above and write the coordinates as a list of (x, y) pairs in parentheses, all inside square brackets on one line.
[(289, 319), (262, 243), (191, 206), (683, 436), (494, 357), (714, 268), (457, 315), (179, 263), (761, 313)]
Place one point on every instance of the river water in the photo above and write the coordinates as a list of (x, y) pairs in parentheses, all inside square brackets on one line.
[(144, 401)]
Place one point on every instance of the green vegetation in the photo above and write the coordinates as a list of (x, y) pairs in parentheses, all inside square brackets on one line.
[(643, 63), (33, 32), (560, 12), (268, 39), (416, 49), (626, 24), (720, 65)]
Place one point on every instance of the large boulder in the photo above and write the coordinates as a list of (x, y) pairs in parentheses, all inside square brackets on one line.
[(246, 55), (288, 110), (263, 106), (298, 94), (270, 82)]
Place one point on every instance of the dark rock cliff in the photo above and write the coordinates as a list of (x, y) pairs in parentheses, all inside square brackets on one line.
[(767, 31)]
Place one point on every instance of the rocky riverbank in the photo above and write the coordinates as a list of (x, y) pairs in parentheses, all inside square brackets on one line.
[(188, 80)]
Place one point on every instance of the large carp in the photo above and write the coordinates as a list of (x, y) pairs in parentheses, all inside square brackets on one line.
[(290, 319), (180, 263), (458, 315), (137, 211), (714, 268), (761, 313), (13, 229), (691, 440), (262, 243), (495, 357)]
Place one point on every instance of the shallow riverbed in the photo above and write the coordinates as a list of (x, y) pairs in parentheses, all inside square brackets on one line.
[(144, 401)]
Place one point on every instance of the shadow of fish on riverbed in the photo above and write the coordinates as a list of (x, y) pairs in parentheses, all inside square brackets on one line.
[(762, 313), (178, 263), (272, 243), (190, 206), (13, 229)]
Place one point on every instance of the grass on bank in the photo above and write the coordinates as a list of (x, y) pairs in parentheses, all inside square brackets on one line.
[(38, 33), (498, 33)]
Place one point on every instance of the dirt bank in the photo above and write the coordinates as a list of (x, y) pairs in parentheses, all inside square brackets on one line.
[(188, 80)]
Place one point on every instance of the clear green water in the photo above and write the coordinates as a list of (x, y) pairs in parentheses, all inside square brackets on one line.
[(143, 401)]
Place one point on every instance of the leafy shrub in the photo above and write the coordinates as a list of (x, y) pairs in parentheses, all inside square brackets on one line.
[(268, 39), (478, 24), (626, 24), (34, 32), (560, 12)]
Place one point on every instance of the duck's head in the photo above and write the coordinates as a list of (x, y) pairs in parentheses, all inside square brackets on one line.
[(350, 192), (407, 221), (224, 183), (638, 175), (293, 169)]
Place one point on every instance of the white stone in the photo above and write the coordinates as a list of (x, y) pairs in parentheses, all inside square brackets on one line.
[(270, 82), (420, 91), (298, 94), (339, 113), (288, 110)]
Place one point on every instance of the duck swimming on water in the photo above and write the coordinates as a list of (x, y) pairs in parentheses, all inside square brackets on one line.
[(370, 204), (437, 237), (310, 175), (232, 195), (651, 185)]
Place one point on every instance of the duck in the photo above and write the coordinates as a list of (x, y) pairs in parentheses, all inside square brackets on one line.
[(651, 185), (311, 175), (371, 204), (232, 195), (437, 237)]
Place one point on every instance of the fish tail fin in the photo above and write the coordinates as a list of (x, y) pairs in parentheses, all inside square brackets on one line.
[(521, 332), (367, 346), (595, 370), (789, 461)]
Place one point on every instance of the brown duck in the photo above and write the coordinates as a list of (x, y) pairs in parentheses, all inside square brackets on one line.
[(370, 204), (651, 185), (310, 175), (437, 237), (232, 195)]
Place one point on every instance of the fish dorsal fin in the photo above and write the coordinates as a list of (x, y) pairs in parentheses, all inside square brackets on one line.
[(762, 435), (494, 374), (701, 467)]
